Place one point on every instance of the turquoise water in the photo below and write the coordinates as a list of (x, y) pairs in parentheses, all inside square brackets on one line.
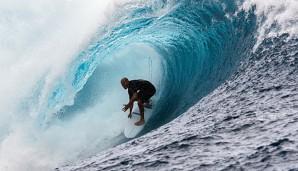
[(62, 62)]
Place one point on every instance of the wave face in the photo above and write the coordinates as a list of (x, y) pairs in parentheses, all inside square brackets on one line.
[(247, 123), (62, 99)]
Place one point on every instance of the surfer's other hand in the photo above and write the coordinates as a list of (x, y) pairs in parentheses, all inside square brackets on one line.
[(126, 106), (129, 115)]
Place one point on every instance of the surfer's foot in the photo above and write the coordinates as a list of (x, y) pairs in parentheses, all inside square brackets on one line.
[(141, 122)]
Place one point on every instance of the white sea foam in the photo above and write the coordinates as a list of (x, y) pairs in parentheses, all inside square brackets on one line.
[(274, 17)]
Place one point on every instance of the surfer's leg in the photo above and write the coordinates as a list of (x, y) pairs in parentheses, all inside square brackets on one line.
[(141, 107), (145, 97)]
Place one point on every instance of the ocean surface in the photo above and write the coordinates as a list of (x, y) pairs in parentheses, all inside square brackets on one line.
[(226, 74)]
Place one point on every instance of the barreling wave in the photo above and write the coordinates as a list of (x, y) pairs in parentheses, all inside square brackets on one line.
[(198, 46), (185, 48)]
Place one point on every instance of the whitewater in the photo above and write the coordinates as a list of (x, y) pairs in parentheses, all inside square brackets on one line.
[(226, 74)]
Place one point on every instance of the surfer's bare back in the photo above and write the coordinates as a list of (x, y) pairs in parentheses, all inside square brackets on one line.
[(138, 90)]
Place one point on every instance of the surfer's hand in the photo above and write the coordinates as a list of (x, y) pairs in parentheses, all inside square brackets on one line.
[(129, 116), (126, 106)]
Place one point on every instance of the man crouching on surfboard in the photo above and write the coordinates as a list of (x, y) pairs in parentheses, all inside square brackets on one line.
[(138, 90)]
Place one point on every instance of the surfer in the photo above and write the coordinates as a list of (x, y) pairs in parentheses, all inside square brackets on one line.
[(138, 90)]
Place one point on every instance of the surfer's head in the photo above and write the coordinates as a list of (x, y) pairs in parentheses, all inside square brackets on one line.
[(124, 82)]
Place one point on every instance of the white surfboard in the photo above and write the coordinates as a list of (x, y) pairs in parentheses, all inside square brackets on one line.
[(130, 129)]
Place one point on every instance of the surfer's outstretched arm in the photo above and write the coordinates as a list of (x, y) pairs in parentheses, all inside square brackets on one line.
[(133, 98), (130, 110)]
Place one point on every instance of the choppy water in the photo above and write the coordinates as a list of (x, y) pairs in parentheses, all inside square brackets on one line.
[(225, 71)]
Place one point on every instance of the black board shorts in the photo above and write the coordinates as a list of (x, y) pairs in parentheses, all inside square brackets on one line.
[(146, 95)]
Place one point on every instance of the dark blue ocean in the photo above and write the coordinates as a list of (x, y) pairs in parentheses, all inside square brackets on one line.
[(226, 74)]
